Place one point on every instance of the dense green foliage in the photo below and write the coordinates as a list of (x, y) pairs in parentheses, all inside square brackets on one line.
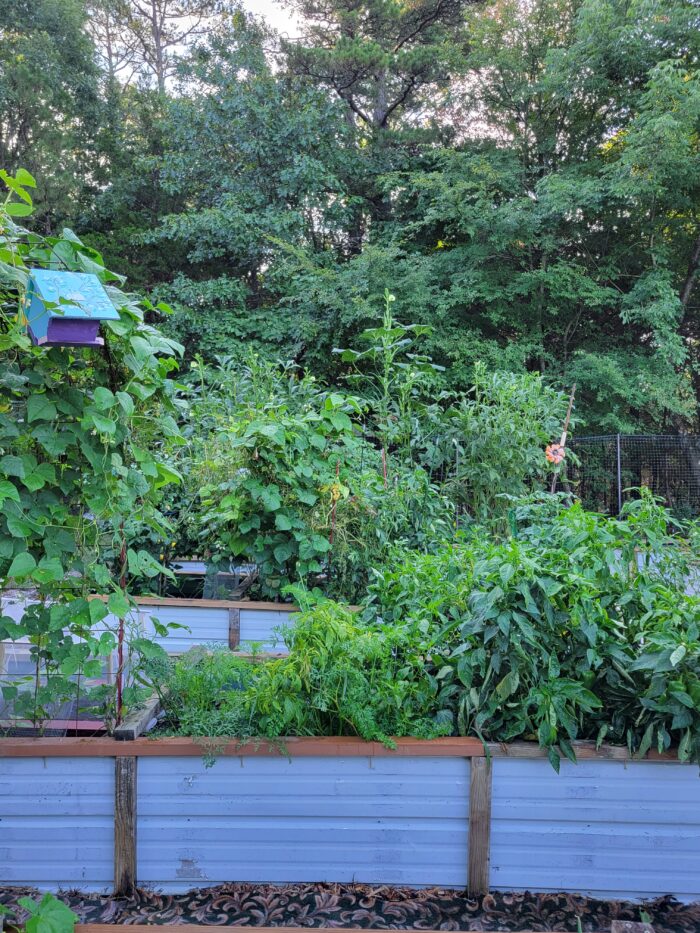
[(533, 620), (82, 440), (576, 627), (269, 473), (314, 484), (524, 176), (50, 110)]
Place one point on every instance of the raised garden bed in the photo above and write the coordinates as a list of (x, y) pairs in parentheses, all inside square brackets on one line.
[(201, 621), (96, 813), (205, 621), (236, 624)]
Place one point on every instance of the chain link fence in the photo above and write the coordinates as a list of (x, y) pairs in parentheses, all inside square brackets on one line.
[(610, 469)]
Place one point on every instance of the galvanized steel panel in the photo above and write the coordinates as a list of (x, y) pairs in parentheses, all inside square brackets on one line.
[(380, 820), (199, 626), (265, 625), (606, 828), (57, 822), (208, 625)]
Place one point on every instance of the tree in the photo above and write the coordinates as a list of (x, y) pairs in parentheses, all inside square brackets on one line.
[(159, 30), (123, 215), (253, 161), (521, 244), (143, 40), (657, 177), (388, 63), (49, 103), (381, 58), (521, 173), (116, 46)]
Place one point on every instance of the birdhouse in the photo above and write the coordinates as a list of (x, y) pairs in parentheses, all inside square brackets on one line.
[(65, 308)]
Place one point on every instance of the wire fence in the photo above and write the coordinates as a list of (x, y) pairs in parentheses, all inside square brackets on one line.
[(612, 467)]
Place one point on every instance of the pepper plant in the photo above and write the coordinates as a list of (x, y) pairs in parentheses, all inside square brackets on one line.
[(81, 468), (575, 627)]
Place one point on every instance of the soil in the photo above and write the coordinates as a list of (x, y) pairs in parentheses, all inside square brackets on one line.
[(339, 906)]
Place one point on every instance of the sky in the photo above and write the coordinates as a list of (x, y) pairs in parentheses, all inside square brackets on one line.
[(276, 14)]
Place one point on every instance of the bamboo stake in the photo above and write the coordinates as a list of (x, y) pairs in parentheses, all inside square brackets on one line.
[(562, 442)]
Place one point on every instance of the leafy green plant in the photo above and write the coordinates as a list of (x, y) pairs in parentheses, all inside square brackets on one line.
[(49, 915), (495, 437), (81, 468), (342, 678), (201, 692), (270, 464), (274, 506), (391, 374), (559, 633), (407, 511), (306, 482)]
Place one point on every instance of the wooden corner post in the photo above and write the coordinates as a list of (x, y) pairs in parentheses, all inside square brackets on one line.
[(479, 826), (125, 773), (234, 628)]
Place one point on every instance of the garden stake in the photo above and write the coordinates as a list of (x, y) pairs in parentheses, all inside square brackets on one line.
[(120, 636), (457, 478), (562, 442), (619, 474), (331, 536)]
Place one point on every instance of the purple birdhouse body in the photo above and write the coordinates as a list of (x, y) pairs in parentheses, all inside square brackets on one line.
[(66, 308)]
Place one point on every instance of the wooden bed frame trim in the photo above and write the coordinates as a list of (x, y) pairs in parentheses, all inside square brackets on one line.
[(174, 602), (296, 747)]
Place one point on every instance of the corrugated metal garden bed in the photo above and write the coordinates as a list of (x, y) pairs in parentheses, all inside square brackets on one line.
[(96, 814)]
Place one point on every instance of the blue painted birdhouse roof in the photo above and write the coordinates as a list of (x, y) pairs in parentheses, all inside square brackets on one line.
[(58, 293)]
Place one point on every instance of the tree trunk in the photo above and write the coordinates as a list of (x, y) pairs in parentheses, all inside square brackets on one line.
[(691, 275), (158, 53), (380, 110)]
